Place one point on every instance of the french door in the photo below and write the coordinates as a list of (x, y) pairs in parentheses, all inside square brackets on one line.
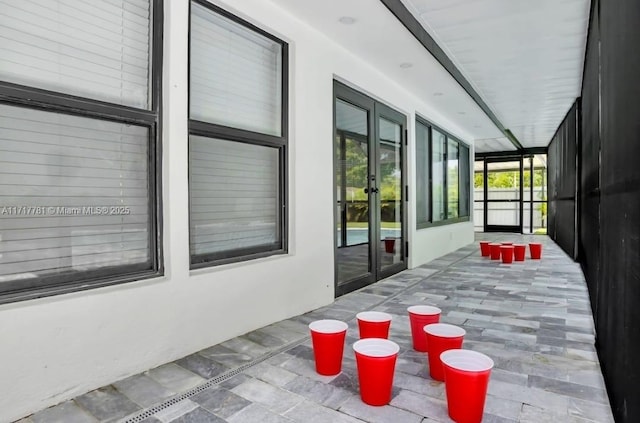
[(369, 190)]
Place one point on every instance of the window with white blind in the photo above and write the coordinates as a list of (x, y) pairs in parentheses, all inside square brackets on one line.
[(93, 49), (237, 142), (78, 133)]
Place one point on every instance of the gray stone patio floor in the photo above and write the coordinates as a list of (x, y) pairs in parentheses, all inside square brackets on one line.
[(532, 318)]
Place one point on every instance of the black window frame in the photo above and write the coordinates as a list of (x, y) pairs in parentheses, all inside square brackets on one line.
[(23, 96), (429, 223), (227, 133)]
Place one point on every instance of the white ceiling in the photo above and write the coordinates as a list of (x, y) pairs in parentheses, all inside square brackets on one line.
[(524, 57), (386, 50)]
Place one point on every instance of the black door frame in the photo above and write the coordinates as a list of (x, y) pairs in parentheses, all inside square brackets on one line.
[(519, 201), (375, 110)]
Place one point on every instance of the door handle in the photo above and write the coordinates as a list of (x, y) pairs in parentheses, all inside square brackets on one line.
[(372, 190)]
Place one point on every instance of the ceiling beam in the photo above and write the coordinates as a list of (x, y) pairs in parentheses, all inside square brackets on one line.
[(417, 30)]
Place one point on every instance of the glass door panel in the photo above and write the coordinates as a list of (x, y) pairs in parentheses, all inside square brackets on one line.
[(390, 182), (352, 183), (503, 203)]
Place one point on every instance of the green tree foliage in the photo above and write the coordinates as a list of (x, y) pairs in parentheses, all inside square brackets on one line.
[(510, 179)]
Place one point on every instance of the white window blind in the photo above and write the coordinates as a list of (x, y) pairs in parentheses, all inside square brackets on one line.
[(233, 193), (236, 74), (98, 49), (74, 194)]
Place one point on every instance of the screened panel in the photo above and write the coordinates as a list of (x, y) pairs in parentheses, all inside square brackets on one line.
[(233, 196), (423, 207), (74, 193), (93, 49), (236, 74), (438, 146)]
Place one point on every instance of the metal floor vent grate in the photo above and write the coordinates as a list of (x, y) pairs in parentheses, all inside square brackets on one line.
[(149, 412)]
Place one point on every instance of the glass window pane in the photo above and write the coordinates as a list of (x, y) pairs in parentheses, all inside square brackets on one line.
[(465, 183), (236, 74), (234, 196), (390, 192), (92, 49), (423, 208), (438, 145), (453, 182), (74, 194), (352, 183), (350, 119)]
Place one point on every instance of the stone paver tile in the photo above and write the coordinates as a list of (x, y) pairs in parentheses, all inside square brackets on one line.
[(533, 414), (305, 368), (385, 414), (419, 385), (225, 356), (501, 407), (422, 405), (282, 333), (569, 389), (175, 411), (236, 380), (257, 413), (201, 366), (198, 416), (590, 410), (275, 399), (262, 338), (509, 377), (409, 367), (174, 377), (245, 346), (533, 396), (107, 404), (220, 401), (302, 351), (143, 390), (271, 374), (309, 412), (67, 412), (325, 394), (490, 418)]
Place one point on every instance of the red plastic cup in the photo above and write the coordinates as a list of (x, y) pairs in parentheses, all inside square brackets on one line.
[(389, 245), (373, 324), (495, 250), (485, 250), (519, 251), (507, 253), (419, 317), (376, 362), (466, 376), (328, 337), (507, 243), (440, 338), (536, 250)]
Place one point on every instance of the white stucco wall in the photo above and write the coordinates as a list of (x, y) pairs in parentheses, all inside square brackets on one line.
[(59, 347)]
